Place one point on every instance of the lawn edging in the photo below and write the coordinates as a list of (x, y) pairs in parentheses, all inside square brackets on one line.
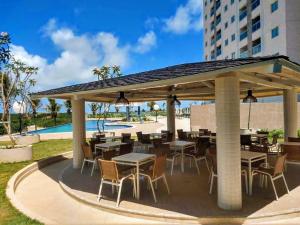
[(15, 180)]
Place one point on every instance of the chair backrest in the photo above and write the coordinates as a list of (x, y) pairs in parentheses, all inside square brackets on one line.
[(293, 139), (108, 155), (162, 149), (126, 137), (212, 149), (125, 149), (99, 136), (139, 136), (87, 151), (246, 139), (259, 148), (212, 161), (202, 145), (146, 138), (182, 135), (279, 165), (157, 142), (108, 170), (159, 166)]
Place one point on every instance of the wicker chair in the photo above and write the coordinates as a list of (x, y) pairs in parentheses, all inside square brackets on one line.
[(212, 159), (126, 138), (139, 136), (292, 151), (157, 173), (108, 155), (274, 173), (182, 135), (111, 175), (88, 157), (199, 153), (245, 140), (125, 149)]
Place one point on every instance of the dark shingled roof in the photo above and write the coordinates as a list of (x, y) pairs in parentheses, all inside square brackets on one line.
[(170, 72)]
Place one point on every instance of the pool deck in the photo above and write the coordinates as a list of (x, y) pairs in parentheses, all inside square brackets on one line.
[(189, 198)]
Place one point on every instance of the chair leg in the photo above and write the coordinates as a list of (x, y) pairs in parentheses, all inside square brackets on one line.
[(134, 187), (94, 163), (172, 166), (119, 192), (82, 165), (211, 184), (246, 182), (206, 164), (166, 183), (100, 190), (275, 192), (209, 177), (287, 189), (152, 188), (198, 170)]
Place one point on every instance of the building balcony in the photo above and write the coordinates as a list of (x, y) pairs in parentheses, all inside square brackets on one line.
[(244, 54), (256, 49), (255, 26), (243, 35), (255, 4), (243, 14), (218, 36)]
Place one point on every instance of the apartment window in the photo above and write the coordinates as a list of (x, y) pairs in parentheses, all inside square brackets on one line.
[(219, 50), (225, 8), (275, 32), (206, 44), (226, 25), (274, 6), (233, 55), (205, 3), (205, 30), (206, 57), (226, 42), (232, 2), (205, 17), (255, 3), (233, 37), (232, 19)]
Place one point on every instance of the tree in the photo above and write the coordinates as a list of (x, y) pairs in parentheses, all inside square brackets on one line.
[(104, 73), (53, 107), (35, 105), (15, 81), (68, 106), (94, 108), (151, 105)]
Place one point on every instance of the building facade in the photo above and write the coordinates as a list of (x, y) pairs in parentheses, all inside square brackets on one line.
[(246, 28)]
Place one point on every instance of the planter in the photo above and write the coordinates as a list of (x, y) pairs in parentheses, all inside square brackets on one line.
[(16, 154), (28, 139)]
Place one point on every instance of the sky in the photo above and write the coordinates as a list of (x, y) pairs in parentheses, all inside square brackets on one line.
[(67, 39)]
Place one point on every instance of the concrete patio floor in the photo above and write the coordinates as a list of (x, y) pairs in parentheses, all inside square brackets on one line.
[(41, 194)]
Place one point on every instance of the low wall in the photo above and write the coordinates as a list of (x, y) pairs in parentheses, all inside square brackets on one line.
[(263, 116)]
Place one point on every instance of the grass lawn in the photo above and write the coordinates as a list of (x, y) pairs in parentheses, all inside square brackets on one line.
[(8, 214)]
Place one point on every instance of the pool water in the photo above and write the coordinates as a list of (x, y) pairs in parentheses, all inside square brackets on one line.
[(90, 125)]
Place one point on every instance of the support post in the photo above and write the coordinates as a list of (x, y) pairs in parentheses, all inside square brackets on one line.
[(171, 117), (227, 93), (290, 113), (78, 122)]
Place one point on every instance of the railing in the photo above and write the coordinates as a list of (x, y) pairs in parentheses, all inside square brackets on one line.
[(212, 12), (212, 26), (213, 41), (256, 49), (243, 35), (218, 20), (244, 54), (219, 51), (255, 3), (243, 14), (255, 26), (218, 36)]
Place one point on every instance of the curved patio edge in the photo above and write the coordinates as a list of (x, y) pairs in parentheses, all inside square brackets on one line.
[(15, 180), (286, 214)]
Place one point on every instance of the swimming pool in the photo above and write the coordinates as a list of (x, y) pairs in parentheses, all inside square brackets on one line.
[(90, 125)]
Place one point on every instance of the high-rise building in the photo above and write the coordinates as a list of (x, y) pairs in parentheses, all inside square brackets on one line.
[(246, 28)]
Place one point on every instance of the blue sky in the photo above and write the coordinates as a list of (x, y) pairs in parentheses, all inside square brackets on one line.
[(66, 39)]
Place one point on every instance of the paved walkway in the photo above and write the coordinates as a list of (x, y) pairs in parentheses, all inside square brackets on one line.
[(42, 195)]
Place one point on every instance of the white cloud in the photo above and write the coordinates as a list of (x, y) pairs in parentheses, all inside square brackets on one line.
[(187, 17), (146, 42), (79, 55)]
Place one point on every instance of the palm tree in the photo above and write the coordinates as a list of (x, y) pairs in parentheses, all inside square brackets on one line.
[(53, 108), (151, 105), (94, 108), (68, 106), (35, 105)]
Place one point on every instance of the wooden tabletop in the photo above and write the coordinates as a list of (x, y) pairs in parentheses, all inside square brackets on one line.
[(252, 155), (133, 157), (180, 143), (109, 144), (109, 138)]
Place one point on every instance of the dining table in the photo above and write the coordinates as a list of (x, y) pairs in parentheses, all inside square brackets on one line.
[(108, 146), (249, 158), (181, 146), (135, 159), (110, 139)]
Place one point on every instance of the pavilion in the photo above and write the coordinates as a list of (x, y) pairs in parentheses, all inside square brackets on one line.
[(226, 81)]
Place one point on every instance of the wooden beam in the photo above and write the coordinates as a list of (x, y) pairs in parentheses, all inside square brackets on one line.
[(252, 78), (209, 84)]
